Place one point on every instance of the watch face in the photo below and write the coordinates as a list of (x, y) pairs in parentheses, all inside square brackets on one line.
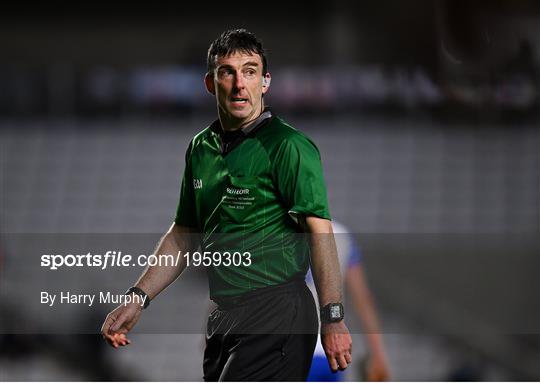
[(335, 312)]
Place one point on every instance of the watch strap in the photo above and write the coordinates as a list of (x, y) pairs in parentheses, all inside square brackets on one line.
[(141, 293)]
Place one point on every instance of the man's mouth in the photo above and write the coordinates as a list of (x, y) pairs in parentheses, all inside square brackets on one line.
[(239, 100)]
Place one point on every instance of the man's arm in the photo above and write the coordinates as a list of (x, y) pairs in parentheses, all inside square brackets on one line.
[(153, 280), (335, 337), (377, 368)]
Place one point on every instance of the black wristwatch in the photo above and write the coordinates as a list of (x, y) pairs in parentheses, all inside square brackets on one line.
[(332, 312), (144, 297)]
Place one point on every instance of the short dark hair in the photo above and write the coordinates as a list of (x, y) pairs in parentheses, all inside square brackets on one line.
[(232, 41)]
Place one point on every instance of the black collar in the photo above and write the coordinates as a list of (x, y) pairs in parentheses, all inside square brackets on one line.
[(216, 125), (230, 140)]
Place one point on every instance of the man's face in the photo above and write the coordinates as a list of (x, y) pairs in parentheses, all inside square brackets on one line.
[(237, 83)]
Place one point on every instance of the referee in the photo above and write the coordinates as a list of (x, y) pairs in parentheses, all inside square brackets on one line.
[(251, 185)]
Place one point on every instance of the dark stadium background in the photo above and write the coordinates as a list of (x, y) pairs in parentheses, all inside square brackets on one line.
[(426, 114)]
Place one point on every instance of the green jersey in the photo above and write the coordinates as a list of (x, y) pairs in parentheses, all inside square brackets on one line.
[(242, 191)]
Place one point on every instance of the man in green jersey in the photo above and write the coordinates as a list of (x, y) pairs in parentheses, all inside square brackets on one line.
[(251, 184)]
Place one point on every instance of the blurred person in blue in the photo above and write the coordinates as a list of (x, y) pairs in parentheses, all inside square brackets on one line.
[(375, 366)]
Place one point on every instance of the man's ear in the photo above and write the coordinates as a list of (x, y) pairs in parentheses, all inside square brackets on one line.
[(266, 82), (209, 83)]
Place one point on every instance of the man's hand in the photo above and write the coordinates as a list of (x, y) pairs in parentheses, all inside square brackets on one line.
[(337, 344), (376, 369), (119, 322)]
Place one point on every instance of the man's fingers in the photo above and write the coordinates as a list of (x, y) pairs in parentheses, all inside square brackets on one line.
[(117, 339), (338, 350), (338, 363), (333, 364), (121, 339), (110, 334), (110, 339), (117, 324), (342, 362)]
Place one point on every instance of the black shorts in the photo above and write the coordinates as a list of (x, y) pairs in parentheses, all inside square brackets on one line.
[(269, 334)]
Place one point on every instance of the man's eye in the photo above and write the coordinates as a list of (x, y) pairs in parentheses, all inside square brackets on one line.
[(249, 73), (225, 72)]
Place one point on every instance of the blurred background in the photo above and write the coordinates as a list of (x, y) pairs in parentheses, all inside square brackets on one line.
[(426, 115)]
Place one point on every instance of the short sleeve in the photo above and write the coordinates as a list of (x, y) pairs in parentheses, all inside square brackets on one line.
[(185, 212), (299, 177)]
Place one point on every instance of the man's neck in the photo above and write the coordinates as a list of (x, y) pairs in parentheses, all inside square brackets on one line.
[(230, 125)]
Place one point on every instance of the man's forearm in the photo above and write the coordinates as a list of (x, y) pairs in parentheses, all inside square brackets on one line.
[(335, 337), (324, 261), (156, 278)]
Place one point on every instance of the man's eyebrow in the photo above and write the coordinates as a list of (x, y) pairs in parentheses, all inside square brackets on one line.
[(228, 66), (224, 66)]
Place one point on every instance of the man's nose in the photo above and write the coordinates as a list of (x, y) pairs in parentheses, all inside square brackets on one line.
[(239, 81)]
